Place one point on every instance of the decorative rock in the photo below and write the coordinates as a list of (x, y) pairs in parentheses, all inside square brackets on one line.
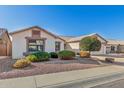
[(109, 60)]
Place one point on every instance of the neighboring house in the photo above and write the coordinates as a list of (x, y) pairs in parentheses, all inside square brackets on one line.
[(5, 43), (34, 39), (115, 46), (107, 46), (73, 43)]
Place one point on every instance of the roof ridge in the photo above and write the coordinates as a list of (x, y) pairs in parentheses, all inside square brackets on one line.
[(24, 29), (82, 36)]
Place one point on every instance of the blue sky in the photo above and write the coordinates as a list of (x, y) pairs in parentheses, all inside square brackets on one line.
[(107, 21)]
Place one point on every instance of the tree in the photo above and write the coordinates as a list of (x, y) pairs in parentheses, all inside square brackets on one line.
[(90, 43)]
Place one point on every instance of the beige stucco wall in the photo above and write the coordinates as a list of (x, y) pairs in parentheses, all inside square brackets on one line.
[(121, 48), (74, 46), (108, 48), (118, 48), (62, 43), (19, 43)]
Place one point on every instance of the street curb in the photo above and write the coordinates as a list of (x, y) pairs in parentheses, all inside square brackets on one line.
[(89, 82)]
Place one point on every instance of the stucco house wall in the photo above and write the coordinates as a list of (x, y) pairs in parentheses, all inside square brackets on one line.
[(50, 44), (61, 45), (121, 48), (108, 48), (19, 46), (73, 46)]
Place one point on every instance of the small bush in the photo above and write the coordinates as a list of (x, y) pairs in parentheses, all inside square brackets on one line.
[(41, 56), (84, 54), (21, 63), (66, 55), (32, 58), (53, 55), (111, 60)]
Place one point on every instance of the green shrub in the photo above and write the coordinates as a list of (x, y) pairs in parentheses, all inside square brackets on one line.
[(40, 56), (32, 58), (53, 55), (21, 63), (66, 54), (90, 43)]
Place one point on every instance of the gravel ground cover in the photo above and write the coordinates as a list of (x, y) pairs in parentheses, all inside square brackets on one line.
[(39, 68)]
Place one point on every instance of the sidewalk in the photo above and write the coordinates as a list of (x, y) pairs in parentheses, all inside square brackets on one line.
[(58, 79)]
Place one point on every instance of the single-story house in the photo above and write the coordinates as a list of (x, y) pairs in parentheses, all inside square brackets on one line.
[(107, 47), (35, 38), (5, 43)]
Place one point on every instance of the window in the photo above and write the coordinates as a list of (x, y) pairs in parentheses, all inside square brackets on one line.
[(35, 45), (65, 46), (112, 48), (57, 46)]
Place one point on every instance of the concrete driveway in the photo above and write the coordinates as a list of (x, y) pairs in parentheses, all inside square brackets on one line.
[(5, 63)]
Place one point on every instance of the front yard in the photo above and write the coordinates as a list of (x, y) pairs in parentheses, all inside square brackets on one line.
[(53, 65), (45, 67), (41, 62)]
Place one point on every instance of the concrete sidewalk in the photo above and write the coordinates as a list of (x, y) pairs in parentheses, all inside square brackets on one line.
[(58, 79)]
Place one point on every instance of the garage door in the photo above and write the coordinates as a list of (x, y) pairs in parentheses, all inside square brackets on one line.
[(3, 50)]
